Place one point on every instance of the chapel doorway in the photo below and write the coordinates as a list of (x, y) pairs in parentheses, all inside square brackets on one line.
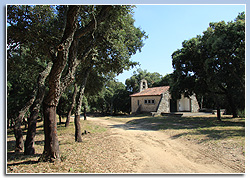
[(184, 104), (173, 105)]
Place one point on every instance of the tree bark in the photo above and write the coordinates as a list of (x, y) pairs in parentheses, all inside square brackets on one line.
[(51, 147), (78, 133), (84, 112), (218, 113), (111, 108), (56, 84), (60, 119), (18, 121), (31, 133), (78, 137), (72, 105), (35, 109), (230, 101)]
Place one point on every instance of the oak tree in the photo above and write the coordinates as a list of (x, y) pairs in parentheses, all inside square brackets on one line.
[(213, 65)]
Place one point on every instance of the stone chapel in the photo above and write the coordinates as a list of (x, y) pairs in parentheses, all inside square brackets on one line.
[(158, 100)]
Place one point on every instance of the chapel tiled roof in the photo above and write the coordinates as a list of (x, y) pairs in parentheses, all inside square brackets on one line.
[(155, 91)]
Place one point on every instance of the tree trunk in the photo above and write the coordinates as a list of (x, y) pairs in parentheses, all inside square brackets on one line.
[(231, 104), (201, 102), (18, 121), (56, 84), (230, 101), (51, 148), (60, 119), (18, 136), (78, 133), (72, 105), (35, 109), (218, 113), (31, 133), (111, 108), (78, 137), (84, 112)]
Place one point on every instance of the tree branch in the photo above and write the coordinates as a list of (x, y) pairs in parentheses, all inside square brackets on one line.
[(92, 24), (60, 61)]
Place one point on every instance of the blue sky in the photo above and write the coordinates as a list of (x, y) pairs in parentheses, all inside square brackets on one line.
[(168, 26)]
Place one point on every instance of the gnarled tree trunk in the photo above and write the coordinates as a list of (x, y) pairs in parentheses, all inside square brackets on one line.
[(18, 121), (51, 146), (35, 109), (67, 50)]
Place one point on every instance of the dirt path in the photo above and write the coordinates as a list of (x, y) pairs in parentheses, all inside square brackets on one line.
[(155, 152)]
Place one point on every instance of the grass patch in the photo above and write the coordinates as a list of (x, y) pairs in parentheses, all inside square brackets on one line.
[(72, 153)]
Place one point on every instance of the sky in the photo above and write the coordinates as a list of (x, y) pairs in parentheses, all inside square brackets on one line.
[(167, 26)]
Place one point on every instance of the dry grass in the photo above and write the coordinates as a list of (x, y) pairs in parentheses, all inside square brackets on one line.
[(99, 150), (90, 156)]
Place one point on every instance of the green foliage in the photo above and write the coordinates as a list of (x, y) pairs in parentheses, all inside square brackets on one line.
[(36, 27), (22, 74), (166, 80), (116, 40), (112, 99), (30, 32), (133, 82), (34, 32), (65, 102), (214, 64), (120, 39)]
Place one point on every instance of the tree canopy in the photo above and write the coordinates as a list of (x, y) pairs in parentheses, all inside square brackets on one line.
[(213, 64), (133, 82), (66, 36)]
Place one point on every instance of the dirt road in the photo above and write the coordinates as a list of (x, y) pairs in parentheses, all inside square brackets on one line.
[(156, 152)]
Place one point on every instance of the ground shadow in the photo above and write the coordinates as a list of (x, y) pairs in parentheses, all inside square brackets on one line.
[(213, 134), (23, 162), (13, 156), (173, 122), (20, 156), (198, 125), (11, 146)]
